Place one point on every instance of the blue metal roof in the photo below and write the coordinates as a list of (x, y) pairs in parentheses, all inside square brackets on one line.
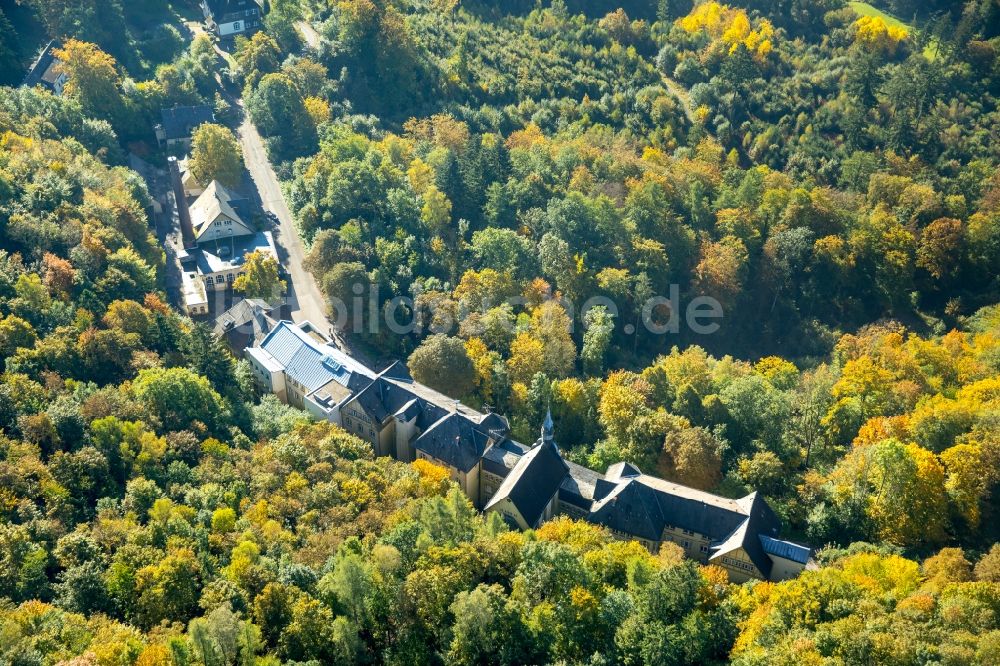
[(786, 549), (305, 360)]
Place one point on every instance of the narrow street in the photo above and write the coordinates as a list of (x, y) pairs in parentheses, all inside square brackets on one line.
[(305, 300)]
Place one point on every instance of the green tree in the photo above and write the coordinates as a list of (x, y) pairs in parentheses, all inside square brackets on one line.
[(596, 338), (278, 110), (442, 363), (14, 334), (169, 589), (92, 79), (488, 630), (181, 398), (256, 57)]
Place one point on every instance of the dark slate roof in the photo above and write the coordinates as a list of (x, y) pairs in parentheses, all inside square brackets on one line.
[(578, 488), (534, 480), (455, 440), (622, 470), (409, 411), (632, 508), (398, 371), (760, 521), (381, 399), (222, 8), (247, 323), (644, 505), (430, 414), (786, 549), (248, 312), (711, 520), (500, 458), (179, 122), (45, 60), (495, 424)]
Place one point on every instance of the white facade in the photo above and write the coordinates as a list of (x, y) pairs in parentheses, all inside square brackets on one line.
[(268, 373), (193, 295)]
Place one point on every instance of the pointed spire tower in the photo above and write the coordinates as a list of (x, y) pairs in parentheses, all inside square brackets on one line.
[(548, 429)]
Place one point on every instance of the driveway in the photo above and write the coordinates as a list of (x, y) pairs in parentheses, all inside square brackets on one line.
[(308, 34)]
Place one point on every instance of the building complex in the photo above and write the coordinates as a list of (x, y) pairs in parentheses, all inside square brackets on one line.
[(526, 484)]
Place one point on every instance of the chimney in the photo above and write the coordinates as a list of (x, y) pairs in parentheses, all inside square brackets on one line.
[(187, 230)]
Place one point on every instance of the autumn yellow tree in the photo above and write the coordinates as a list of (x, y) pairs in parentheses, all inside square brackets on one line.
[(92, 79), (260, 277), (874, 33), (216, 155)]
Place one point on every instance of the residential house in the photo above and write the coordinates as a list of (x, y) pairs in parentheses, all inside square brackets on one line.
[(177, 124), (216, 238), (47, 70), (217, 214), (527, 485), (222, 237), (247, 323), (228, 18)]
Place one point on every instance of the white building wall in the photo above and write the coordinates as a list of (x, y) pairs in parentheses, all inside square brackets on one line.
[(268, 379), (321, 413), (782, 569)]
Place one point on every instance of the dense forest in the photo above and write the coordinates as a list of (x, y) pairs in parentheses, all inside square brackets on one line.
[(825, 170)]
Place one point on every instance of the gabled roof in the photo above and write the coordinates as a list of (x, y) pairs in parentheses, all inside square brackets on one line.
[(398, 371), (534, 480), (180, 121), (622, 470), (382, 399), (760, 521), (496, 425), (221, 8), (216, 200), (631, 507), (501, 458), (46, 68), (628, 501), (454, 439), (578, 488), (250, 315)]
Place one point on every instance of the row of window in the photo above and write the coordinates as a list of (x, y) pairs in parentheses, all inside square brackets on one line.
[(220, 279), (361, 416), (739, 564), (359, 428), (667, 528)]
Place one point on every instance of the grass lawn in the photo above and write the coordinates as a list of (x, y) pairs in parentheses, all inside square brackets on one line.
[(864, 9)]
